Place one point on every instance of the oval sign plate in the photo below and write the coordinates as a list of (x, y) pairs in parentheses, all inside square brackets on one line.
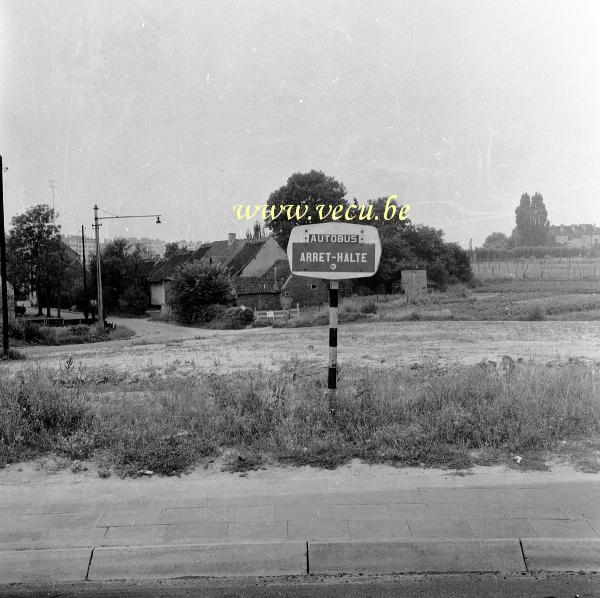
[(334, 251)]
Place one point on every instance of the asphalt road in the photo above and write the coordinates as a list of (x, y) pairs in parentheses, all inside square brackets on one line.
[(572, 585)]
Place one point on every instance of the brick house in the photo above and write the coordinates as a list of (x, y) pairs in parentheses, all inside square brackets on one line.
[(258, 269), (240, 258), (278, 288)]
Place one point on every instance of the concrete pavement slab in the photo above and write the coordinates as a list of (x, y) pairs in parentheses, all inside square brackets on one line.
[(195, 533), (133, 535), (317, 529), (418, 511), (415, 555), (44, 566), (563, 528), (117, 517), (210, 560), (558, 554), (501, 528), (257, 531), (378, 530), (440, 528)]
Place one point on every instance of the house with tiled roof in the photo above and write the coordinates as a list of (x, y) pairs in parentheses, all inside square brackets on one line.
[(278, 288), (258, 269), (161, 274)]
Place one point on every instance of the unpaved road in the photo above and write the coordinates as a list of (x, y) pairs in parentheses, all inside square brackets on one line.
[(166, 348)]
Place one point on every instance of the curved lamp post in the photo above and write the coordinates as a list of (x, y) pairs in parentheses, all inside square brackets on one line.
[(97, 226)]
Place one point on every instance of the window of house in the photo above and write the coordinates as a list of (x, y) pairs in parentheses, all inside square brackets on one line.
[(313, 285), (287, 293)]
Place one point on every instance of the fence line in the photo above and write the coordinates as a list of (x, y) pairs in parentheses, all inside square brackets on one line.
[(273, 314)]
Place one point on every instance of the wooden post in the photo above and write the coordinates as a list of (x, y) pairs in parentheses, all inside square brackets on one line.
[(3, 267), (333, 326)]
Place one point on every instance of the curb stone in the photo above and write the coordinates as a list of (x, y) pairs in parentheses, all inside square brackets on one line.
[(561, 554), (415, 556), (298, 558), (45, 565), (208, 560)]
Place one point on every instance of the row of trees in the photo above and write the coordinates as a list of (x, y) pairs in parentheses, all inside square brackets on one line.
[(405, 246), (39, 261), (532, 227)]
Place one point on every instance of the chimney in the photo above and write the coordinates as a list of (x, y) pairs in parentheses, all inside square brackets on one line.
[(230, 238)]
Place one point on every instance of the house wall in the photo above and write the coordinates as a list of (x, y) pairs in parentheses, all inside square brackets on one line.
[(157, 293), (299, 289), (260, 301), (414, 283), (269, 253)]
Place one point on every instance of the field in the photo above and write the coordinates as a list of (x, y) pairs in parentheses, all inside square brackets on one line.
[(580, 268), (476, 375), (428, 416)]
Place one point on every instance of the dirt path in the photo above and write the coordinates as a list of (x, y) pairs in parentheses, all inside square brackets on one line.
[(168, 348)]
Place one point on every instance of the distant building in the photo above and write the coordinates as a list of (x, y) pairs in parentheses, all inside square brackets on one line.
[(75, 243), (152, 245), (259, 272), (583, 236)]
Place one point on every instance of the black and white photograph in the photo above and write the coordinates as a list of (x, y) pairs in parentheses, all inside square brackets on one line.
[(300, 298)]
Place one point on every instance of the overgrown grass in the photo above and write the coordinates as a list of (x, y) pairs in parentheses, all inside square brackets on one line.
[(410, 417), (25, 332)]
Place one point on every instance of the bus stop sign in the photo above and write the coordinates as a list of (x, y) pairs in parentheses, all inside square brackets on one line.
[(334, 251)]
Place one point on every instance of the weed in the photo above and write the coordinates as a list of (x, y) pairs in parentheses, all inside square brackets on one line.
[(425, 416), (536, 313), (14, 355)]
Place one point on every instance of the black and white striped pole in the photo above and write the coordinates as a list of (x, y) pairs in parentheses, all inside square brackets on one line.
[(333, 329), (333, 251)]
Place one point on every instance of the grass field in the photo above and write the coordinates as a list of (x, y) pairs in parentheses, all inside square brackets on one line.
[(491, 299), (580, 268), (422, 416)]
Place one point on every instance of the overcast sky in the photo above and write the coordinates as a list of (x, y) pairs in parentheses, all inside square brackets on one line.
[(186, 108)]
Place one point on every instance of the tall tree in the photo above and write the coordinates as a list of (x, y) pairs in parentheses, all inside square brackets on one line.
[(523, 218), (304, 190), (31, 242), (539, 221), (531, 218)]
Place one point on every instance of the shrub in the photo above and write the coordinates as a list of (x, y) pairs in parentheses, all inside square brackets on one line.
[(232, 318), (536, 313), (135, 300), (79, 330), (196, 288), (369, 307)]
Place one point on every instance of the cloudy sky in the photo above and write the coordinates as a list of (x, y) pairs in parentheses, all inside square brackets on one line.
[(186, 108)]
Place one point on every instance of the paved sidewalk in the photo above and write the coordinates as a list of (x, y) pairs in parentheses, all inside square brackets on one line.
[(321, 523)]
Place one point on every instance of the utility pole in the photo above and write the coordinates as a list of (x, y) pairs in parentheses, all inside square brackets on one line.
[(85, 291), (3, 267), (51, 184), (98, 269), (99, 305)]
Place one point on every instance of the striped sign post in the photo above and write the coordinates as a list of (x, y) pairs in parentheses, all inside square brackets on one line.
[(334, 251), (333, 326)]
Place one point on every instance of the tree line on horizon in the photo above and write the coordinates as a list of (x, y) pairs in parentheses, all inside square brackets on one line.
[(531, 236), (38, 261)]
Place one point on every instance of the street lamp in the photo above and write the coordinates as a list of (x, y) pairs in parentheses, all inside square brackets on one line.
[(97, 226)]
